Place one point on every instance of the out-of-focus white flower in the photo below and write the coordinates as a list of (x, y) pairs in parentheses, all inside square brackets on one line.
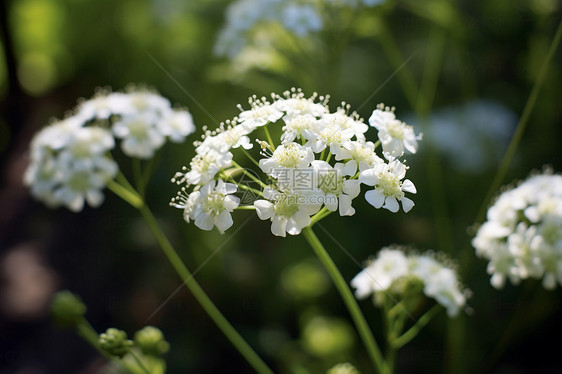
[(389, 187), (141, 135), (471, 137), (301, 19), (395, 135), (522, 237), (69, 165), (392, 267)]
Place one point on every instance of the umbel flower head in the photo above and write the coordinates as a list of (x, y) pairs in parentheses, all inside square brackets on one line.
[(394, 269), (315, 164), (70, 161), (522, 236)]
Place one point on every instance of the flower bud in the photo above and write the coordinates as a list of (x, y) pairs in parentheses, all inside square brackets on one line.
[(67, 309), (151, 341), (114, 342)]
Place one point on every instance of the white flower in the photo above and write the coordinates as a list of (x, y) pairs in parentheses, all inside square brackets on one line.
[(389, 187), (69, 165), (394, 134), (522, 237), (140, 133), (177, 125), (104, 105), (288, 212), (211, 206), (361, 153), (390, 265), (336, 187), (204, 167), (291, 155), (330, 134), (299, 127), (260, 115), (298, 105), (389, 271), (301, 19)]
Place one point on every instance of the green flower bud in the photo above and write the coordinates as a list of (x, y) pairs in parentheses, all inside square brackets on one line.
[(67, 309), (114, 342), (151, 341)]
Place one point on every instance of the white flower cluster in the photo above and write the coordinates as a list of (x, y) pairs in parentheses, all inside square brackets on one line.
[(393, 269), (70, 164), (300, 177), (522, 237), (142, 119), (299, 17), (70, 161)]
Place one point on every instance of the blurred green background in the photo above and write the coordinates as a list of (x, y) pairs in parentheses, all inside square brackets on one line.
[(483, 56)]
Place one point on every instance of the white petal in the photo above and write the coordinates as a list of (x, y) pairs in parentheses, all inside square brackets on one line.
[(375, 198), (369, 177), (231, 202), (223, 221), (407, 204), (278, 225), (408, 186), (352, 188), (345, 206), (205, 221), (264, 209), (331, 202), (391, 204)]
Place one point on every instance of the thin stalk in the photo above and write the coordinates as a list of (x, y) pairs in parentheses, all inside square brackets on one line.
[(527, 110), (139, 361), (129, 196), (269, 138), (416, 328), (137, 176), (246, 207), (249, 175), (323, 213), (250, 157), (249, 354), (348, 298)]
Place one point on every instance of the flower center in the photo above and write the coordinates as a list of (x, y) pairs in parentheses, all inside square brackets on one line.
[(288, 156), (395, 129), (138, 129), (287, 206), (214, 203), (79, 182), (331, 134), (390, 185), (330, 182)]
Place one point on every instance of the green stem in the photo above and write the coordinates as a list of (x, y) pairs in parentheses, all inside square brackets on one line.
[(137, 176), (324, 212), (249, 175), (129, 196), (246, 207), (249, 354), (514, 143), (348, 298), (329, 156), (269, 138), (416, 328), (89, 334), (139, 361), (250, 157)]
